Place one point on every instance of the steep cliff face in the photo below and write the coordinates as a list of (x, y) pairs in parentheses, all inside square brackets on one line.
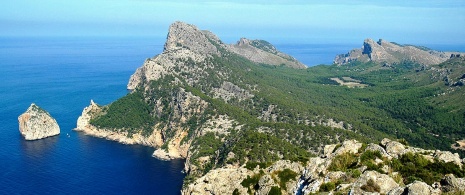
[(36, 123), (389, 53)]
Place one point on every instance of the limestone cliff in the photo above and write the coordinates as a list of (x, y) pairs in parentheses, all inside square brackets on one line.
[(390, 53), (36, 123)]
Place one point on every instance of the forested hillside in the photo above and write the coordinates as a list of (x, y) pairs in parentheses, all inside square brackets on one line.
[(229, 110)]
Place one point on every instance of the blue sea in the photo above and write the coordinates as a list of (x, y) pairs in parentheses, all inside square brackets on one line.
[(62, 75)]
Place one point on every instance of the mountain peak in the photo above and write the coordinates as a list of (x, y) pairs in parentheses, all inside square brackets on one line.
[(388, 53), (182, 35)]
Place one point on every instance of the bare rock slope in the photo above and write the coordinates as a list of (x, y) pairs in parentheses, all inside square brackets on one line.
[(36, 123)]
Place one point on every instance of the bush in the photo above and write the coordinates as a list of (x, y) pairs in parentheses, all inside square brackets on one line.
[(343, 162), (416, 167), (326, 187), (275, 190), (371, 186), (236, 192), (285, 176)]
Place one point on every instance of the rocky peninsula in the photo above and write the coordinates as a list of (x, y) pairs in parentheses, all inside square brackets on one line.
[(36, 123)]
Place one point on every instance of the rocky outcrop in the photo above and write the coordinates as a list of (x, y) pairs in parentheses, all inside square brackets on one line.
[(94, 110), (36, 123), (378, 182), (219, 181), (229, 179), (183, 104), (261, 51), (389, 53)]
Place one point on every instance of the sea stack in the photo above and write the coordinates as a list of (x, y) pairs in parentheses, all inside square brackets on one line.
[(36, 123)]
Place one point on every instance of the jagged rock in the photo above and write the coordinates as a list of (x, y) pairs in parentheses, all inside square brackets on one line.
[(389, 53), (265, 183), (36, 123), (447, 156), (228, 90), (419, 188), (397, 191), (349, 146), (383, 182), (219, 181), (393, 148), (376, 147), (450, 183), (328, 150), (183, 35)]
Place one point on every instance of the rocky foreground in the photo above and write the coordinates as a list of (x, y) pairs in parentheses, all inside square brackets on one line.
[(36, 123), (347, 168)]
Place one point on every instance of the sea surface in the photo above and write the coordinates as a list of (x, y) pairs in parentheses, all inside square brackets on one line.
[(62, 75)]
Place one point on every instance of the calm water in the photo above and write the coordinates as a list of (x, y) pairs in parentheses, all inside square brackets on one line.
[(61, 75)]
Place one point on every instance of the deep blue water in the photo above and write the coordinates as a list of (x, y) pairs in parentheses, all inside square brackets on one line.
[(61, 75)]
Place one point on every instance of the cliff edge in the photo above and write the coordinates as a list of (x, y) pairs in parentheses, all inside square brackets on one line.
[(36, 123)]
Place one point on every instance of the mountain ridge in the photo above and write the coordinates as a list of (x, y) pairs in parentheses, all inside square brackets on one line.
[(390, 53), (201, 101)]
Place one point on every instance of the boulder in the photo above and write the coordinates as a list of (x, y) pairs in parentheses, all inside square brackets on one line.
[(36, 123), (447, 156), (393, 148), (372, 181), (450, 183), (349, 146), (419, 188)]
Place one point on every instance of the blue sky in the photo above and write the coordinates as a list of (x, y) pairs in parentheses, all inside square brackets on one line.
[(278, 21)]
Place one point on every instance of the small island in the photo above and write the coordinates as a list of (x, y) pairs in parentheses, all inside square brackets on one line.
[(36, 123)]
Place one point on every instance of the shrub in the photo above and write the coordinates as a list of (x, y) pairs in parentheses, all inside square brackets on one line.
[(416, 167), (285, 176), (326, 187), (343, 162), (371, 186), (275, 190), (236, 192)]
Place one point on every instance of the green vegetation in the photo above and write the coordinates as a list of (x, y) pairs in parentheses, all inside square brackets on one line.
[(343, 162), (275, 190), (285, 176), (251, 165), (130, 112), (371, 186), (404, 101), (328, 186), (261, 147), (416, 167), (251, 182)]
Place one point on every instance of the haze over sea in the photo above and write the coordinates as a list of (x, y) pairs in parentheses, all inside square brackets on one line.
[(62, 75)]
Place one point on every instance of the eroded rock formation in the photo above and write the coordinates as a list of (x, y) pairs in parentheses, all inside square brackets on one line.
[(36, 123)]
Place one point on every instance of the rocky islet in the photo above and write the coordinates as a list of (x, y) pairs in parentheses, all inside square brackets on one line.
[(36, 123)]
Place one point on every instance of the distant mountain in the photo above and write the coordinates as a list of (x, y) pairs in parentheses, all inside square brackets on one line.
[(227, 109), (391, 53)]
